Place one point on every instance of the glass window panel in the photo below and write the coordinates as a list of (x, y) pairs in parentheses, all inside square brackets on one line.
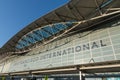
[(86, 56), (97, 59), (34, 38), (107, 53), (26, 39), (37, 36), (56, 61), (117, 51), (108, 58), (117, 46), (86, 52), (64, 58), (96, 50), (45, 34), (49, 28), (69, 24), (60, 26), (64, 64), (115, 32), (54, 30), (94, 36), (87, 60), (106, 41), (118, 57), (70, 57), (23, 43), (71, 63), (31, 38), (18, 46), (115, 37), (96, 54), (38, 31), (55, 65), (85, 38), (94, 45), (79, 61), (106, 48), (114, 28), (78, 56), (116, 41), (102, 35)]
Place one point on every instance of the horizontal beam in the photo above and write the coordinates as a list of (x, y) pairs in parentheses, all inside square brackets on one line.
[(55, 70), (21, 73), (100, 67)]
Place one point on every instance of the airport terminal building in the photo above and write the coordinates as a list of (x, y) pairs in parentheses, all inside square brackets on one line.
[(78, 41)]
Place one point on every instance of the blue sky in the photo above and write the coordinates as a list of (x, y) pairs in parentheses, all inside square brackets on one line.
[(17, 14)]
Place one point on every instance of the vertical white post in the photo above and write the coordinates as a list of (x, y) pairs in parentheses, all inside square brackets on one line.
[(80, 75)]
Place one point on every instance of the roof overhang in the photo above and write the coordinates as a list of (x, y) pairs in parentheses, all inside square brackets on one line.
[(78, 10)]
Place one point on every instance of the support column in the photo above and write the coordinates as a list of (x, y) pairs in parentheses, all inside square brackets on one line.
[(80, 75), (10, 77), (30, 76), (103, 78)]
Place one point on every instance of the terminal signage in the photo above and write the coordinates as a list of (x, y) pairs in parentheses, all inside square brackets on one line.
[(73, 49)]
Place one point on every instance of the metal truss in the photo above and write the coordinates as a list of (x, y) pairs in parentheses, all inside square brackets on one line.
[(44, 33), (61, 32)]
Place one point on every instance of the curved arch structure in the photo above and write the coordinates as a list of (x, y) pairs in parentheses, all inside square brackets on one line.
[(42, 33), (75, 15), (82, 35)]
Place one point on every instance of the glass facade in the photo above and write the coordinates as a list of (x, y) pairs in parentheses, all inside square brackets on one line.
[(42, 33), (97, 44)]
